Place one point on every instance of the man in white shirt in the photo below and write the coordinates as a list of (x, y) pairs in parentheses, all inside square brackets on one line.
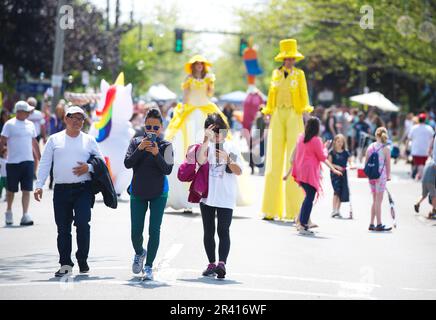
[(421, 136), (20, 136), (69, 151), (38, 120)]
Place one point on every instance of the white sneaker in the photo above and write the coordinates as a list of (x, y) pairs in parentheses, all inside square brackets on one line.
[(336, 214), (148, 273), (138, 262), (26, 220), (305, 232), (9, 218)]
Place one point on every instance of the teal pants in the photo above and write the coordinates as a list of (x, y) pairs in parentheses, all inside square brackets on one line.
[(138, 209)]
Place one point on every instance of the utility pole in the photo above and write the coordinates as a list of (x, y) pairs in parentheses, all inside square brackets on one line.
[(117, 13), (107, 15), (58, 58)]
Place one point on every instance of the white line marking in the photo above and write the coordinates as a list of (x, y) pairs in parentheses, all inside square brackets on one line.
[(175, 249), (170, 255), (291, 278)]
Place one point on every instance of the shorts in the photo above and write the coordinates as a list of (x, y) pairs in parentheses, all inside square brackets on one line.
[(428, 189), (419, 160), (19, 173), (378, 185)]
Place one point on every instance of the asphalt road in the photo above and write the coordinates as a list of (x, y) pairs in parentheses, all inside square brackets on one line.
[(268, 260)]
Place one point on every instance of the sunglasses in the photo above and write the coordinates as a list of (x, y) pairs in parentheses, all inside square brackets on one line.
[(75, 118), (155, 128), (218, 130)]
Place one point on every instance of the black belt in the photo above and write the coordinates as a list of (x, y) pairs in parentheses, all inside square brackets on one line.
[(72, 185)]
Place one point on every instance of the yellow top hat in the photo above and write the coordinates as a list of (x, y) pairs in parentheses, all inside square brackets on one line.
[(194, 59), (288, 49)]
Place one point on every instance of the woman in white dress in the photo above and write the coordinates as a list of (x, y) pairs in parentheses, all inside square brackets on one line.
[(187, 125)]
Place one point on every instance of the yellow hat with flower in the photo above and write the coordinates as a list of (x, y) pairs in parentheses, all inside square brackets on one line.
[(288, 49), (194, 59)]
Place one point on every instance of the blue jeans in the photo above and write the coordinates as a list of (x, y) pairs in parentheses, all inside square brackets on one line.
[(67, 199), (306, 207)]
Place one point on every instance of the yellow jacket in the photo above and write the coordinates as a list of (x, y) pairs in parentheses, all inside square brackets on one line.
[(296, 84)]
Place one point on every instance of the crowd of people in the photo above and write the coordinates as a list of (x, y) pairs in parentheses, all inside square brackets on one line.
[(166, 137)]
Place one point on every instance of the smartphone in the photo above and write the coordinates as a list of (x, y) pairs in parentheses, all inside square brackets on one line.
[(218, 146), (233, 157), (150, 136)]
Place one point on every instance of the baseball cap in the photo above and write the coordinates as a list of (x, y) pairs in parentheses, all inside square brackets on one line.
[(23, 106), (422, 116), (75, 109)]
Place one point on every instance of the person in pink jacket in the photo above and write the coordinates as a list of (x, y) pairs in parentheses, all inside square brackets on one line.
[(306, 168)]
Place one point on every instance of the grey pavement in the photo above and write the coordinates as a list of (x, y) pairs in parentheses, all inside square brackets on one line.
[(268, 260)]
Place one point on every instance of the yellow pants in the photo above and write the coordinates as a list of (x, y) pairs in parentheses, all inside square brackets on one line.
[(285, 127)]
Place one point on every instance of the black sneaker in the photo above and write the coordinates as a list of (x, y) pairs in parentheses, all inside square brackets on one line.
[(381, 227), (220, 270), (210, 270), (371, 227), (83, 267), (65, 270), (416, 206)]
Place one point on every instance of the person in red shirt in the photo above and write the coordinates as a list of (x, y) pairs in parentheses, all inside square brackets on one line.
[(306, 168)]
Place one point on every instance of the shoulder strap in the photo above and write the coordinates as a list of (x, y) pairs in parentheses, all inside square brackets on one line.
[(384, 162)]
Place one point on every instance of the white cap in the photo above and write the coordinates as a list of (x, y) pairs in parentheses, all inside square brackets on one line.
[(23, 106), (75, 109)]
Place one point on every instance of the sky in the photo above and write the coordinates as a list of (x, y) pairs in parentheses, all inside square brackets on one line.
[(194, 14)]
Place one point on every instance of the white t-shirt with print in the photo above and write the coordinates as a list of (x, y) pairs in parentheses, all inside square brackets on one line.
[(223, 186), (422, 137), (20, 135)]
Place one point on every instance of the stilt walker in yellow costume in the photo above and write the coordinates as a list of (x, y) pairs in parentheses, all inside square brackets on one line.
[(287, 101), (187, 125)]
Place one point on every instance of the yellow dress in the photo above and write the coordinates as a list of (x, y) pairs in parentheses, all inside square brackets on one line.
[(287, 101), (187, 128)]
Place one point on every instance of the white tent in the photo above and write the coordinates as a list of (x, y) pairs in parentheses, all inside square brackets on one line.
[(237, 97), (160, 92), (376, 99)]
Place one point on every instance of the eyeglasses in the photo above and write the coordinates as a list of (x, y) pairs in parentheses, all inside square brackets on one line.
[(75, 118), (155, 128)]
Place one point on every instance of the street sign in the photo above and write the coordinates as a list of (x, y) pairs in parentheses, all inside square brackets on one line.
[(33, 87)]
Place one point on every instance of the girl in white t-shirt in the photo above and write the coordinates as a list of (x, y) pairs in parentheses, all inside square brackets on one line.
[(225, 163)]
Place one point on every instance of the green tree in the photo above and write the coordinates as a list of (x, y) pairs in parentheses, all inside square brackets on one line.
[(145, 65), (27, 39), (389, 56)]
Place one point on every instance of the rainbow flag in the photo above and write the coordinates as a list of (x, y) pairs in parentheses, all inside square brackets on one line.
[(104, 125)]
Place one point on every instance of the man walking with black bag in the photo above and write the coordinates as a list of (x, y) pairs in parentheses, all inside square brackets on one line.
[(69, 151)]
